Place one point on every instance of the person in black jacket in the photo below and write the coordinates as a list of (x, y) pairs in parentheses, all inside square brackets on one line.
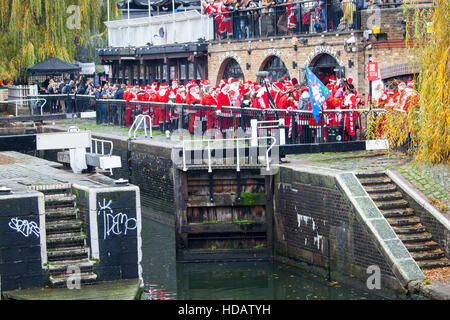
[(120, 90)]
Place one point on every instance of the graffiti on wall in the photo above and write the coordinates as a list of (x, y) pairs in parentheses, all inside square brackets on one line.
[(305, 221), (25, 227), (115, 223)]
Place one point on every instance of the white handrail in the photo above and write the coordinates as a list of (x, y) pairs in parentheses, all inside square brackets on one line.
[(26, 100), (137, 123), (238, 168), (96, 141)]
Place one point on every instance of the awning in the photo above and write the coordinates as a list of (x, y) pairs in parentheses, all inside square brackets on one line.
[(52, 66)]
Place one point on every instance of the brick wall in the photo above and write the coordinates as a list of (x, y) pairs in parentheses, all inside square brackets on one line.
[(315, 225), (153, 174)]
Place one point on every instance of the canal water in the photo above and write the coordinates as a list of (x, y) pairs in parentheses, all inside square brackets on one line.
[(165, 279)]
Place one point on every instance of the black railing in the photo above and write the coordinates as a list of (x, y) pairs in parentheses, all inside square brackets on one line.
[(299, 126), (299, 17)]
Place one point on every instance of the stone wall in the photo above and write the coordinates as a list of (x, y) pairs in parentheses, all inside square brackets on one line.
[(316, 226), (22, 241)]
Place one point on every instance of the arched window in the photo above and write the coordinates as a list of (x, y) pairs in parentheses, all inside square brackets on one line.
[(276, 68), (325, 65), (232, 70)]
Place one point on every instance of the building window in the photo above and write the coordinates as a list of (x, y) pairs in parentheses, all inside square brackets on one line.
[(276, 68), (233, 70)]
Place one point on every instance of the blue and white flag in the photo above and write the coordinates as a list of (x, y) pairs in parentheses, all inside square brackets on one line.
[(318, 93)]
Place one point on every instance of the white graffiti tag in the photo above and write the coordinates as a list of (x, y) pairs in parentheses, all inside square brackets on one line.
[(25, 227), (116, 224)]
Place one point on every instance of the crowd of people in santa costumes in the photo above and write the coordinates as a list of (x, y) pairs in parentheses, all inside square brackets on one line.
[(282, 95), (401, 98)]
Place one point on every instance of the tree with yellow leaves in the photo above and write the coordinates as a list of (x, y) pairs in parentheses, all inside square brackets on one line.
[(35, 30), (425, 127)]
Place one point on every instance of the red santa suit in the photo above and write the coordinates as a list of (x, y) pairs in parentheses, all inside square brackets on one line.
[(129, 96), (193, 98), (163, 98), (350, 119), (292, 18), (223, 100)]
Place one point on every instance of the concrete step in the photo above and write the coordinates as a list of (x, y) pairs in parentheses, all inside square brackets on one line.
[(63, 226), (65, 213), (415, 238), (388, 196), (371, 174), (65, 240), (61, 267), (409, 230), (407, 221), (392, 204), (427, 255), (59, 201), (67, 254), (374, 181), (397, 213), (412, 247), (429, 264), (62, 280), (59, 197), (53, 188), (382, 188)]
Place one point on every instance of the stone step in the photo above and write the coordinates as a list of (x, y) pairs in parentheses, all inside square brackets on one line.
[(397, 213), (427, 255), (63, 226), (392, 204), (53, 188), (415, 238), (370, 174), (407, 221), (374, 181), (67, 254), (386, 196), (65, 240), (409, 230), (61, 267), (59, 197), (388, 187), (421, 246), (65, 213), (62, 280), (428, 264)]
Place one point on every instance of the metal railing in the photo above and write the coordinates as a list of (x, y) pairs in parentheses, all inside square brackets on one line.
[(96, 142), (293, 18), (138, 121), (240, 154), (200, 120)]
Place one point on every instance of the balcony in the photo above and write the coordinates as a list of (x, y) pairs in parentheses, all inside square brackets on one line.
[(164, 29)]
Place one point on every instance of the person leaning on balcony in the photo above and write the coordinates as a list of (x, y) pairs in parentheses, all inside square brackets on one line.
[(267, 27), (348, 8)]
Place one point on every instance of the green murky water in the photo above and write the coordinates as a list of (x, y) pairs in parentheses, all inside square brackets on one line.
[(166, 279)]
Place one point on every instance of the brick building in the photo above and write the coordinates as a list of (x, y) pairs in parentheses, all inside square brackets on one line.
[(189, 47)]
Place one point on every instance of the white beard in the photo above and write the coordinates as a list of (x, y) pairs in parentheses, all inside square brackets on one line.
[(162, 92)]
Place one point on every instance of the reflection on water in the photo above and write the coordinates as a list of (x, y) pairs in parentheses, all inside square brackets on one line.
[(165, 279)]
